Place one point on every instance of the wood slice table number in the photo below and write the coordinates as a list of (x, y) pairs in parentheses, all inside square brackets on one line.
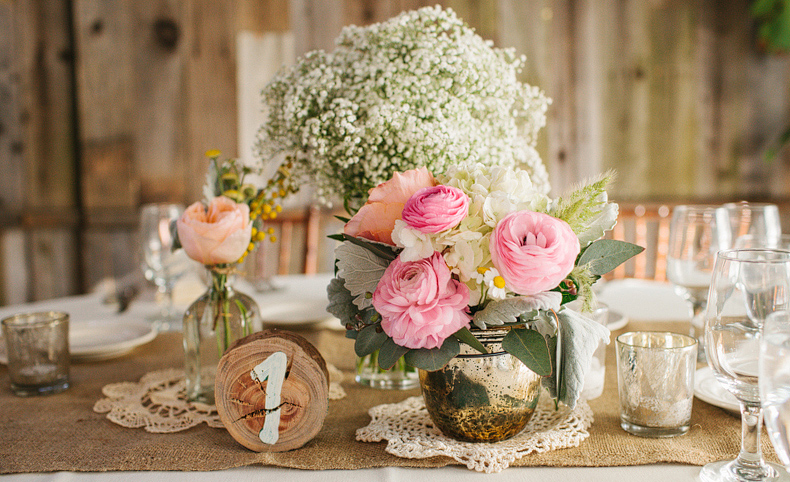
[(272, 391)]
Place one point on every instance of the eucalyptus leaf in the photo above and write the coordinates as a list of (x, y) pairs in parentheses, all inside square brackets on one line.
[(499, 312), (467, 337), (369, 339), (605, 255), (389, 353), (361, 270), (530, 347), (435, 358)]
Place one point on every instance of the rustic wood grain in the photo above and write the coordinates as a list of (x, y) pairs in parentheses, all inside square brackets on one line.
[(241, 400)]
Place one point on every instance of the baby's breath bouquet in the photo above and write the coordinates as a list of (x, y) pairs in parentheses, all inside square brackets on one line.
[(421, 89)]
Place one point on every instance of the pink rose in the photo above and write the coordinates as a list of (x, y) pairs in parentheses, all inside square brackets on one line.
[(376, 219), (435, 209), (533, 252), (420, 303), (218, 235)]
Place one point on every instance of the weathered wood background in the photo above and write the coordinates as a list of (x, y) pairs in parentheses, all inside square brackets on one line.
[(108, 104)]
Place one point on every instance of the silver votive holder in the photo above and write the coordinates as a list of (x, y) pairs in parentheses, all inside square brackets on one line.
[(655, 380), (37, 345)]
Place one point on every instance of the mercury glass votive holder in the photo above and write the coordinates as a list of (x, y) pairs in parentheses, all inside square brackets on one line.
[(37, 345), (655, 380)]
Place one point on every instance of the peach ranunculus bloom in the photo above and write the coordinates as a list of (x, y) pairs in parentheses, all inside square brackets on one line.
[(217, 235), (376, 219)]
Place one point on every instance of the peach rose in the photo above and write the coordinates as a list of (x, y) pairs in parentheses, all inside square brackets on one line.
[(217, 235), (376, 219)]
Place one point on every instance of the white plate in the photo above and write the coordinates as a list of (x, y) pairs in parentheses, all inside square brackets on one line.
[(644, 300), (709, 390), (616, 321), (102, 339), (305, 312)]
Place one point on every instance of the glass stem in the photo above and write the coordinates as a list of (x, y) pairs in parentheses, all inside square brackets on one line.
[(750, 458), (697, 306)]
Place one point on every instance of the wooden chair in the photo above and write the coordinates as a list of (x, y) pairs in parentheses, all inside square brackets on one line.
[(301, 244), (645, 224)]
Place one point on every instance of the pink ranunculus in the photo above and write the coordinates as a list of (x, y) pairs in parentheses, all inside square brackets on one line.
[(218, 235), (533, 251), (376, 219), (420, 303), (435, 209)]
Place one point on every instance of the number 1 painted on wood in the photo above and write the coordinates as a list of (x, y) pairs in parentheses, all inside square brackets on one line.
[(273, 369)]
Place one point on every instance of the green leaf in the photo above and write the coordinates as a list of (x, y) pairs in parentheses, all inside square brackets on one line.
[(337, 237), (389, 353), (342, 218), (530, 347), (434, 358), (467, 337), (605, 255), (369, 340)]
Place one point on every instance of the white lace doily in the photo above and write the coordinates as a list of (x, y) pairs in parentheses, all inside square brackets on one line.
[(158, 402), (410, 433)]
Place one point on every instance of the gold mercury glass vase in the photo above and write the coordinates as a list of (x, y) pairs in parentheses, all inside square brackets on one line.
[(212, 323), (479, 397)]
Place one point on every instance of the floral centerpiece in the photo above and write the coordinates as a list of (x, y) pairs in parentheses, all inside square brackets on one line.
[(469, 250), (219, 233), (424, 131)]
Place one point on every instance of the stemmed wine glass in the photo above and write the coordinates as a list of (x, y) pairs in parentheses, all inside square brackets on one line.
[(161, 264), (696, 233), (774, 368), (758, 221), (747, 286)]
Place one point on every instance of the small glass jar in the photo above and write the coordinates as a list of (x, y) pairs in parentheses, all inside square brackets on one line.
[(481, 397), (211, 324)]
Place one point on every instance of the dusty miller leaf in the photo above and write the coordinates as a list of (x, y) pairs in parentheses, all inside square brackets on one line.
[(361, 270), (579, 337), (340, 301), (505, 311)]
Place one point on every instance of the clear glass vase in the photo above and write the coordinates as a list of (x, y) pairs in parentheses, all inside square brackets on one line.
[(479, 397), (399, 377), (211, 324)]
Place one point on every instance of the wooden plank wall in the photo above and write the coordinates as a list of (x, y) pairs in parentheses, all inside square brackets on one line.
[(107, 105)]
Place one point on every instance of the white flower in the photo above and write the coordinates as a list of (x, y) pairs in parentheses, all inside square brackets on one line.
[(495, 284), (416, 244), (421, 89)]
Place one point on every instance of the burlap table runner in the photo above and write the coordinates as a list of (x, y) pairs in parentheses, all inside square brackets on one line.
[(61, 432)]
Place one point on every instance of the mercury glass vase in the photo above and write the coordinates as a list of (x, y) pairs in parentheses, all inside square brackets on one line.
[(212, 323), (481, 397), (399, 377)]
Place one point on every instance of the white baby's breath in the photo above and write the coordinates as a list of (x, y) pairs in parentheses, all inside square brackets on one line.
[(421, 89)]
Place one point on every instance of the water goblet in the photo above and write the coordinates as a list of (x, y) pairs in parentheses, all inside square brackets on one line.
[(774, 368), (748, 285), (161, 264), (759, 221), (696, 233)]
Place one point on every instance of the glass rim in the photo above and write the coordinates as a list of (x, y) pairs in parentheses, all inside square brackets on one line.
[(747, 204), (35, 318), (688, 341), (733, 255)]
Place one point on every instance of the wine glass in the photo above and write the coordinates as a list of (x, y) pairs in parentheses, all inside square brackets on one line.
[(747, 286), (757, 241), (774, 368), (161, 264), (759, 221), (696, 233)]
